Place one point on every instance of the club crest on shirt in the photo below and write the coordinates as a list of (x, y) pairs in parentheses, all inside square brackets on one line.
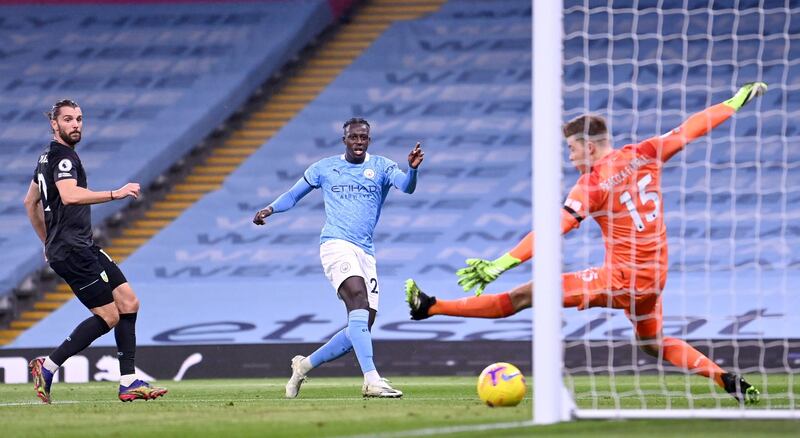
[(369, 173), (104, 276)]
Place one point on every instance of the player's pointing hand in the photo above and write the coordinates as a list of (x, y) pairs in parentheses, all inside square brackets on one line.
[(261, 215), (416, 156)]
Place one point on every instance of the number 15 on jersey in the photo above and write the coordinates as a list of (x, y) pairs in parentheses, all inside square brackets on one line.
[(645, 197)]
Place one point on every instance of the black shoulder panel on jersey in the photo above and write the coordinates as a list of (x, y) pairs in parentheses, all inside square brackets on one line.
[(573, 213)]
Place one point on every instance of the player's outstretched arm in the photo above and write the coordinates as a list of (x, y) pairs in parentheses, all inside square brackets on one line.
[(479, 273), (284, 202), (407, 182), (748, 92), (72, 194), (699, 124)]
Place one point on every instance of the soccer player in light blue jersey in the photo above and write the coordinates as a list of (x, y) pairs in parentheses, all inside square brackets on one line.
[(354, 186)]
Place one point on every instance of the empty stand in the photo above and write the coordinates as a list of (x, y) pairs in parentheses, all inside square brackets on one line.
[(152, 80), (458, 80)]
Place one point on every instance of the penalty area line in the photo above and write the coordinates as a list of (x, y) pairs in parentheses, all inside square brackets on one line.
[(448, 429)]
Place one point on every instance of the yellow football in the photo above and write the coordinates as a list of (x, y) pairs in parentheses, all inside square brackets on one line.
[(501, 384)]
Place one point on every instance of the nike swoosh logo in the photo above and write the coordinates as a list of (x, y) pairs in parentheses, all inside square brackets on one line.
[(508, 377)]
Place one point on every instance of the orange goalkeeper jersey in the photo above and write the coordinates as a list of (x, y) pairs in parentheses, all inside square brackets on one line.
[(622, 192)]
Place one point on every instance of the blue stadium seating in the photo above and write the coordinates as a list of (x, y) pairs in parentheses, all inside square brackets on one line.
[(459, 81), (152, 81)]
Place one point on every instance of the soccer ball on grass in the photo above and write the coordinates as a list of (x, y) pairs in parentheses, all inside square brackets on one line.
[(501, 384)]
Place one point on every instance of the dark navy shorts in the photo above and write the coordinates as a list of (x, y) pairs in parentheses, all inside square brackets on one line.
[(92, 275)]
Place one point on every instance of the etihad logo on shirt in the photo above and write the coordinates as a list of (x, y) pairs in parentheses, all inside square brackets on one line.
[(623, 174), (353, 188)]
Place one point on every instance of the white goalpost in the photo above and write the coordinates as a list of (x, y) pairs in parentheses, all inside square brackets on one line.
[(549, 394), (729, 204)]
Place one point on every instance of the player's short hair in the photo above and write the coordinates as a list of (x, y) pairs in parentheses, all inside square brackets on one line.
[(587, 126), (355, 121), (56, 108)]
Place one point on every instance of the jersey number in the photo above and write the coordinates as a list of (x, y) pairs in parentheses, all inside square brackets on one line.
[(374, 284), (645, 197), (43, 190)]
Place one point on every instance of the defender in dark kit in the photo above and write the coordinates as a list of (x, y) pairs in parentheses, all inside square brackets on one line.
[(58, 206)]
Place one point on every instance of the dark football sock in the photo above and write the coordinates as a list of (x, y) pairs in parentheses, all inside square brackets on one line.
[(83, 335), (125, 334)]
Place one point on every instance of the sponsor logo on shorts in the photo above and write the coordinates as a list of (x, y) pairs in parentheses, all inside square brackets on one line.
[(588, 275), (345, 267)]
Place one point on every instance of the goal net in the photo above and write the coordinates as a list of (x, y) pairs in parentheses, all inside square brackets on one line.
[(730, 201)]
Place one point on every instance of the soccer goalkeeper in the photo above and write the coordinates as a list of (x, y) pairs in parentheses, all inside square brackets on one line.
[(621, 190)]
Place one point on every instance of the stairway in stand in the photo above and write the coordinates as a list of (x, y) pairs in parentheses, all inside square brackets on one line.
[(343, 45)]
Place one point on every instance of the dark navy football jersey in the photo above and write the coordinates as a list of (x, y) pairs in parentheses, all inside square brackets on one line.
[(68, 226)]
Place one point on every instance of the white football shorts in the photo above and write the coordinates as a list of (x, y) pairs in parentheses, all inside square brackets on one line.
[(342, 259)]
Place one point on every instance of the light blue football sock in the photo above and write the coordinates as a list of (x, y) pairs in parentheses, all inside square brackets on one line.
[(336, 347), (358, 331)]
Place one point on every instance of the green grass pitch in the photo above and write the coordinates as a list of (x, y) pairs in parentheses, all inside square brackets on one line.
[(334, 407)]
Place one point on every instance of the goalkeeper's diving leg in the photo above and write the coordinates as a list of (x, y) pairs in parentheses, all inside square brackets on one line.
[(648, 326), (673, 350), (482, 306)]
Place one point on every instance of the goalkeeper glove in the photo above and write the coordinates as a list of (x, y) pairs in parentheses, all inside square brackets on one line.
[(479, 272), (748, 92)]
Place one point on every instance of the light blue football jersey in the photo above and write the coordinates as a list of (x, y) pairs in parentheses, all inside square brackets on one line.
[(353, 195)]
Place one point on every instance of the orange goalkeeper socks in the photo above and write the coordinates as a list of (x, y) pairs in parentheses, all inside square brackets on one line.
[(683, 355), (483, 306)]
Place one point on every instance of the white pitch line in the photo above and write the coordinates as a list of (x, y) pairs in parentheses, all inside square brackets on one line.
[(318, 383), (38, 403), (449, 429), (225, 400)]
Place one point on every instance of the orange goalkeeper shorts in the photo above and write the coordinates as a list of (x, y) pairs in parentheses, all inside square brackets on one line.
[(615, 288)]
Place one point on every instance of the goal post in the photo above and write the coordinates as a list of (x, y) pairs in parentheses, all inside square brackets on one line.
[(729, 203), (549, 394)]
